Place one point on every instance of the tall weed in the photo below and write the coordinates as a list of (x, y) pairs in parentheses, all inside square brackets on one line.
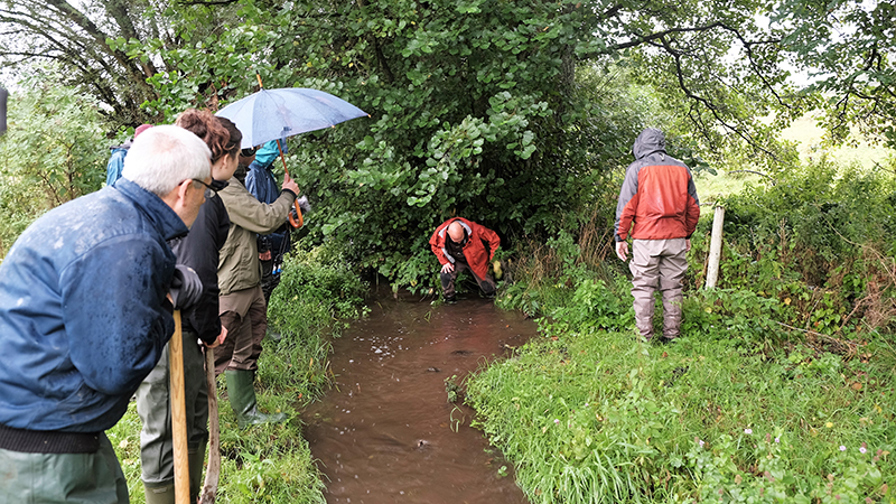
[(318, 292)]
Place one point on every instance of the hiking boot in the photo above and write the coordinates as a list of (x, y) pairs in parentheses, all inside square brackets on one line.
[(451, 300), (241, 391)]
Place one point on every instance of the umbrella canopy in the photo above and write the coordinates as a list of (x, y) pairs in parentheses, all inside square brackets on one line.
[(272, 114)]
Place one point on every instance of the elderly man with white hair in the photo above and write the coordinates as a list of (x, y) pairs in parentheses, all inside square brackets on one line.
[(84, 317)]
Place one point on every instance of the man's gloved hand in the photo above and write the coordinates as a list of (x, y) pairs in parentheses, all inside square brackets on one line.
[(186, 287), (304, 204)]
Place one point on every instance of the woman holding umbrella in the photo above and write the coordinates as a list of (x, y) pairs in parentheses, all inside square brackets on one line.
[(198, 250), (243, 307)]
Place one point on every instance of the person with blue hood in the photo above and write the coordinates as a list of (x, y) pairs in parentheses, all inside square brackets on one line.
[(85, 315), (261, 182), (658, 207)]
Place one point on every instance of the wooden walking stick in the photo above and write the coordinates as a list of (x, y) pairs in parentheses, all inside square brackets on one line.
[(179, 413), (213, 472)]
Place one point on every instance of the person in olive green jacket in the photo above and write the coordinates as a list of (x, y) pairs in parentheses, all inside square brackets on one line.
[(242, 304)]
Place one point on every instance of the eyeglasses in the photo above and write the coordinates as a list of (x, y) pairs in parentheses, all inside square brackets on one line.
[(210, 191), (248, 151)]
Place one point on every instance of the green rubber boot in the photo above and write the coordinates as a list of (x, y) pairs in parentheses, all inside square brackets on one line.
[(241, 391), (159, 494)]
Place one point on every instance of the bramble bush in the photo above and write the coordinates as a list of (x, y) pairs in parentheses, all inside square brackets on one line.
[(821, 241)]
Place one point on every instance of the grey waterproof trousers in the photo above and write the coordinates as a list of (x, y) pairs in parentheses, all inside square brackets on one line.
[(50, 478), (154, 407), (658, 264)]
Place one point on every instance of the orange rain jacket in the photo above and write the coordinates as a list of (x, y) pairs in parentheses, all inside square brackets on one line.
[(658, 196), (482, 243)]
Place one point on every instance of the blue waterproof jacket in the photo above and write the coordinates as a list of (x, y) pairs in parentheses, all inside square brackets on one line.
[(83, 312), (260, 181)]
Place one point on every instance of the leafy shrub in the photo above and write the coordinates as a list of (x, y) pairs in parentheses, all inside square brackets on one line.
[(732, 314), (595, 305), (818, 241), (53, 152)]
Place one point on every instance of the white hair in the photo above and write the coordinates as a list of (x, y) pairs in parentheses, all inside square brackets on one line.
[(164, 156)]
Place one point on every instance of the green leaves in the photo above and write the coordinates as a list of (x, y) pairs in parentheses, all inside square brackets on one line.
[(50, 154)]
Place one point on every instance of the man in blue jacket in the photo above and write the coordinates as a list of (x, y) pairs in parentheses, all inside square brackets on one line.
[(84, 318)]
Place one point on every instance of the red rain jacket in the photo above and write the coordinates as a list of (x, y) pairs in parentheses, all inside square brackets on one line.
[(482, 243), (658, 196)]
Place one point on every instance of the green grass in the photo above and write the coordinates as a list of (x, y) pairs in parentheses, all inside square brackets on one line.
[(597, 416), (858, 152), (711, 187), (809, 140)]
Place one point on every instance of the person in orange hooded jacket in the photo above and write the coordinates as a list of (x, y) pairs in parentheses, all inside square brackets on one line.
[(659, 208), (460, 244)]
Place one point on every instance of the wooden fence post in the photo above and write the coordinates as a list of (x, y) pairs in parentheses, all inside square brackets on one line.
[(715, 249)]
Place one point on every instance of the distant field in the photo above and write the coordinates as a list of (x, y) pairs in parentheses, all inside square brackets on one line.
[(809, 138)]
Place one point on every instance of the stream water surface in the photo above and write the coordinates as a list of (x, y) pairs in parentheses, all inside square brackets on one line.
[(386, 433)]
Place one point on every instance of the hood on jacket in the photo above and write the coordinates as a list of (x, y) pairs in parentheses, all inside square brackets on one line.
[(649, 141), (125, 146), (268, 153)]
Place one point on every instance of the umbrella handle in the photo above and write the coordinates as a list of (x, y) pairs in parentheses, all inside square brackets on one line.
[(296, 223), (293, 222)]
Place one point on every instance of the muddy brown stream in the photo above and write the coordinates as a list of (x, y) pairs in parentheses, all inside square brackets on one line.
[(386, 433)]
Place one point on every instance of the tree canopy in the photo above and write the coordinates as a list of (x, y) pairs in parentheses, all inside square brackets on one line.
[(509, 113)]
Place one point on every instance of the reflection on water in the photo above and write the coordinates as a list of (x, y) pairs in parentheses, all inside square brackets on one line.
[(386, 432)]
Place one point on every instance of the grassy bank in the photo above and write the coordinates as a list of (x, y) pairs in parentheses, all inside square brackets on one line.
[(272, 463), (591, 415)]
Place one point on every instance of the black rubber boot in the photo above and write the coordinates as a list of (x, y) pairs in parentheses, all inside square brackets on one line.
[(197, 465)]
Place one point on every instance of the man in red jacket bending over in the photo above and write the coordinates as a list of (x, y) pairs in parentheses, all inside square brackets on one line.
[(658, 204), (460, 244)]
